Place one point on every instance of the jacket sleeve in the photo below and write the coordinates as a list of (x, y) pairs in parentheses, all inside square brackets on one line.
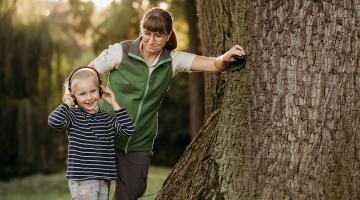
[(123, 123), (109, 58), (60, 118)]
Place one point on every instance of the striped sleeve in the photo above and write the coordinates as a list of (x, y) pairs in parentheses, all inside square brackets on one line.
[(123, 123), (60, 118)]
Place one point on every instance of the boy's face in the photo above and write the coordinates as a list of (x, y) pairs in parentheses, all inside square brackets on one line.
[(86, 92)]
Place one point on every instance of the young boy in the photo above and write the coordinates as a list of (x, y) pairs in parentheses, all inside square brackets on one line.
[(91, 132)]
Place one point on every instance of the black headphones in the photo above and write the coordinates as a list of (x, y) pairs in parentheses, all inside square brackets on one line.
[(72, 74)]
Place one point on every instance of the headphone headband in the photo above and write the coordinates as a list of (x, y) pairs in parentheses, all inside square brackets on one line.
[(78, 69)]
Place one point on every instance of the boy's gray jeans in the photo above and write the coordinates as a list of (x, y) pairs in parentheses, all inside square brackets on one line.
[(89, 189)]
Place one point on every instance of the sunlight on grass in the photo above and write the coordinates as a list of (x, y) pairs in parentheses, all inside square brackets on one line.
[(54, 187)]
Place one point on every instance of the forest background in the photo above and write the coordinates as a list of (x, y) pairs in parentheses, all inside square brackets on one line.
[(41, 41)]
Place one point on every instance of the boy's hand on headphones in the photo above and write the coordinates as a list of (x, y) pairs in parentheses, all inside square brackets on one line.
[(68, 99), (108, 96)]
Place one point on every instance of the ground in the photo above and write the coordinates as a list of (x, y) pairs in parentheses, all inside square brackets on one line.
[(54, 187)]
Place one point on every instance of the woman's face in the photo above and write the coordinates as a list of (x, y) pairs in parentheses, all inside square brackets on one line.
[(153, 42), (87, 95)]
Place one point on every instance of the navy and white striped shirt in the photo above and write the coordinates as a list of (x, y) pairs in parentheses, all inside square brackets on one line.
[(91, 153)]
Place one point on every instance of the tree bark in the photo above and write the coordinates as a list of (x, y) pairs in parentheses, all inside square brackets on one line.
[(286, 126), (196, 80)]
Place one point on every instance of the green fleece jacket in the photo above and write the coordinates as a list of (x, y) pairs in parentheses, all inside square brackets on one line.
[(140, 91)]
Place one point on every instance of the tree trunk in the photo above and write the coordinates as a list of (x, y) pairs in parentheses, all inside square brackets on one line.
[(286, 126), (196, 80)]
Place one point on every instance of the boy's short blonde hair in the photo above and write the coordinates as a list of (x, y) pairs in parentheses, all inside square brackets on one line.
[(82, 73)]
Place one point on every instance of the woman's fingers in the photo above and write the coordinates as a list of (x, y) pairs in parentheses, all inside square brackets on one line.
[(239, 50), (233, 53)]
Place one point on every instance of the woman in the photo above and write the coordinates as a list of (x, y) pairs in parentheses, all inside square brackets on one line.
[(140, 74)]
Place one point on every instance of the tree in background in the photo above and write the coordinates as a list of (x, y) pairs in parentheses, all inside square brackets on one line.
[(196, 80), (120, 22), (37, 50), (25, 59), (286, 126)]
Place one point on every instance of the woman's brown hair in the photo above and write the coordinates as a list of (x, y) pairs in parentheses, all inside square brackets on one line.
[(160, 20)]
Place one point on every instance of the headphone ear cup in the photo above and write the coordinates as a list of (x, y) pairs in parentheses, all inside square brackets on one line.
[(74, 99), (100, 92)]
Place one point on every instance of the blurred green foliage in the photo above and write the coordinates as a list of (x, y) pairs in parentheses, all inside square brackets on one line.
[(26, 52)]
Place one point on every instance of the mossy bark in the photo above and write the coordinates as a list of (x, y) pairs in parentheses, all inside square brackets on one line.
[(287, 125)]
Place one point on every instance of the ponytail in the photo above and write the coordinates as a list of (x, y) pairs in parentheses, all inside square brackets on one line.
[(172, 42)]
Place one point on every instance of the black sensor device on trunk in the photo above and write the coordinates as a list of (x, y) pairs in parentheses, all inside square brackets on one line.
[(238, 64)]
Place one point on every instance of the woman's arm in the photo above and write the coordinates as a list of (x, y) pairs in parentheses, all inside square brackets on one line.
[(211, 64), (108, 59)]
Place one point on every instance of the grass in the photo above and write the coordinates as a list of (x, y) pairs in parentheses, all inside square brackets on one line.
[(54, 187)]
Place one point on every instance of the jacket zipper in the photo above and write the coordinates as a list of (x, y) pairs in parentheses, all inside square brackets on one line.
[(145, 93), (140, 107)]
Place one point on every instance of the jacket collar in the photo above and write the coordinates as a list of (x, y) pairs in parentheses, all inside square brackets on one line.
[(134, 52)]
